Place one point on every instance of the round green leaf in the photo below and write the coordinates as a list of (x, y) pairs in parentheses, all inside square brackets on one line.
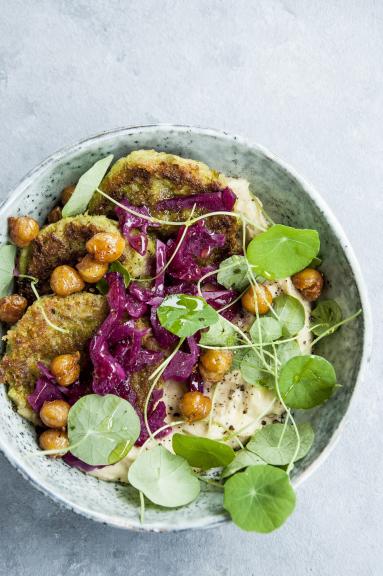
[(259, 499), (288, 350), (276, 444), (102, 429), (306, 381), (184, 315), (282, 251), (221, 333), (233, 273), (265, 329), (164, 478), (325, 315), (291, 314), (202, 452), (252, 371), (243, 459)]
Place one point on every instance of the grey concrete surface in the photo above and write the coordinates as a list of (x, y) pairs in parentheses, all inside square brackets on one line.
[(304, 78)]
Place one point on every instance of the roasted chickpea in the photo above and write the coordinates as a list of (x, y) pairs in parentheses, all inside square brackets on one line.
[(12, 308), (90, 270), (54, 215), (210, 376), (54, 440), (66, 368), (106, 246), (66, 280), (263, 299), (218, 361), (22, 230), (67, 193), (309, 282), (54, 414), (195, 406)]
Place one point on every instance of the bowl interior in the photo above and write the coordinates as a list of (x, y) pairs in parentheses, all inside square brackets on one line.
[(287, 201)]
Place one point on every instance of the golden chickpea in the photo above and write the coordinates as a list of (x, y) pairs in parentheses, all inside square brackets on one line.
[(90, 270), (67, 193), (208, 376), (66, 280), (309, 282), (66, 368), (195, 406), (22, 230), (263, 299), (54, 414), (106, 246), (54, 440), (218, 361), (54, 215), (12, 308)]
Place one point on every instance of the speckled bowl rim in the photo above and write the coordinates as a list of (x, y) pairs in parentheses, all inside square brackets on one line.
[(337, 230)]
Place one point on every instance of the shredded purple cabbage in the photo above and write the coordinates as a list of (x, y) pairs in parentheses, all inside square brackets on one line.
[(74, 392), (156, 418), (220, 200), (45, 390), (182, 288), (119, 300), (134, 228), (116, 352), (164, 338), (199, 242), (77, 463), (182, 364), (195, 382)]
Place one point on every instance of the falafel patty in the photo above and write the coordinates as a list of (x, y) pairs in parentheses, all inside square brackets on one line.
[(64, 243), (146, 177), (33, 340)]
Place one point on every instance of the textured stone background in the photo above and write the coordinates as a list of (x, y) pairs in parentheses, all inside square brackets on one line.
[(304, 79)]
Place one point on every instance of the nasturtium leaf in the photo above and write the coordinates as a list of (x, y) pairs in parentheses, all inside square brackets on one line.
[(7, 267), (282, 251), (259, 499), (326, 315), (202, 452), (306, 381), (276, 443), (164, 478), (233, 273), (287, 350), (243, 459), (87, 184), (253, 371), (184, 315), (291, 314), (102, 429), (265, 329), (238, 356), (221, 333)]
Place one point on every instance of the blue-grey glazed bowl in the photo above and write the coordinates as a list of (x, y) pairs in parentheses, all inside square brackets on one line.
[(288, 199)]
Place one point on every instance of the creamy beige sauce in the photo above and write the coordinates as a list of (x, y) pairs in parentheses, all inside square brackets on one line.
[(237, 406)]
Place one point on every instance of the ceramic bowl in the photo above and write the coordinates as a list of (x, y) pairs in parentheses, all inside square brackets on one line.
[(288, 199)]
